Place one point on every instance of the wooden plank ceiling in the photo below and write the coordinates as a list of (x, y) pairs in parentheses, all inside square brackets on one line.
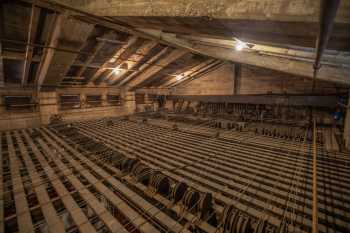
[(44, 48), (50, 45)]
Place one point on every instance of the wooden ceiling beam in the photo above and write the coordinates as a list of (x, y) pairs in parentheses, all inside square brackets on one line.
[(107, 63), (286, 65), (205, 66), (145, 66), (171, 70), (187, 73), (55, 64), (173, 56), (32, 29), (216, 65), (128, 50), (51, 40), (300, 68), (95, 51), (90, 58), (135, 59)]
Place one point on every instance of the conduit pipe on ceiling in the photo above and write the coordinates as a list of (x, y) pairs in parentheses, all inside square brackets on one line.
[(328, 11)]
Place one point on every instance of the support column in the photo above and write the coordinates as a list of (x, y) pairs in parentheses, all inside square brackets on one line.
[(237, 75), (347, 126), (48, 106), (129, 102), (2, 75)]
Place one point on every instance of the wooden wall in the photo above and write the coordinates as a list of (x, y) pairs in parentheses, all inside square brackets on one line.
[(48, 105), (253, 80)]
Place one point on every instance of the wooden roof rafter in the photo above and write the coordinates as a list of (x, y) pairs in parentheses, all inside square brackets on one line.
[(32, 30)]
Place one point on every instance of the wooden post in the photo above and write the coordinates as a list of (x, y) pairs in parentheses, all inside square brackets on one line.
[(314, 182), (2, 75), (347, 126), (237, 78)]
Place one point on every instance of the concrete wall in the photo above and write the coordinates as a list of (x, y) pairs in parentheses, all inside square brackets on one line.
[(48, 105), (252, 80)]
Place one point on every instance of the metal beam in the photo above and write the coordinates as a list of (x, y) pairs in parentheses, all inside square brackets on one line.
[(328, 11), (32, 29)]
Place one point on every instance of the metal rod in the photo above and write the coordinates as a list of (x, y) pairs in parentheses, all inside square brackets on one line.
[(314, 182), (328, 11)]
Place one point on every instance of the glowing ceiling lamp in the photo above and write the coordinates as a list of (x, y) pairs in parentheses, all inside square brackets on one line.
[(240, 45), (179, 77), (116, 71)]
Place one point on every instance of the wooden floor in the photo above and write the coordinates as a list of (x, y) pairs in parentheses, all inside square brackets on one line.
[(64, 179)]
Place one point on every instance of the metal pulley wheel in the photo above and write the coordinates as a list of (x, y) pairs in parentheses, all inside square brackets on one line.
[(191, 199), (35, 134), (179, 191), (205, 205), (123, 164), (225, 215), (243, 224), (260, 226), (160, 183), (127, 164), (137, 169), (142, 173), (232, 221), (116, 156), (283, 228)]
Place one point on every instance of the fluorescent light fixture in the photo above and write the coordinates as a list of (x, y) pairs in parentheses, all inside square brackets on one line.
[(240, 45)]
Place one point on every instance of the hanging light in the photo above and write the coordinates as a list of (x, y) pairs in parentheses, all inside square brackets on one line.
[(240, 45), (116, 71), (179, 77)]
